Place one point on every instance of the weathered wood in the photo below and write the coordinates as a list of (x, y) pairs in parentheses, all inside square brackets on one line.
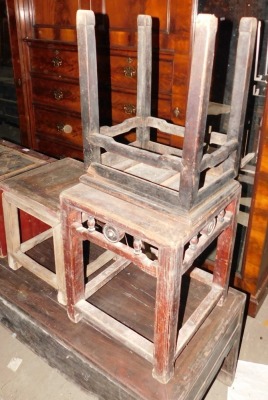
[(137, 154), (170, 263), (127, 207), (144, 80), (99, 262), (88, 82), (244, 56), (197, 107), (121, 333), (105, 276), (15, 159), (202, 172), (36, 192), (29, 244), (101, 365)]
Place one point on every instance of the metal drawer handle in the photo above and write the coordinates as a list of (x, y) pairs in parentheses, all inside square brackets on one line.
[(56, 61), (64, 128), (176, 112), (129, 71), (129, 109), (58, 94)]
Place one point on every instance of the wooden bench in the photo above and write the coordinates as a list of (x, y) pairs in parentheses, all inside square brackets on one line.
[(36, 192), (155, 206), (15, 159)]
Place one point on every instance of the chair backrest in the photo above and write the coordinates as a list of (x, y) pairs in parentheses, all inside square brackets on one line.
[(173, 178)]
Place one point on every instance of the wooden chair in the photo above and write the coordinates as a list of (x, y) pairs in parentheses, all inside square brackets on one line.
[(152, 205), (15, 159), (36, 192)]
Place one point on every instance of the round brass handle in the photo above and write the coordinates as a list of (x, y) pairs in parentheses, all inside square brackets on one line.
[(64, 128), (129, 71), (58, 94), (56, 61), (129, 109), (176, 112)]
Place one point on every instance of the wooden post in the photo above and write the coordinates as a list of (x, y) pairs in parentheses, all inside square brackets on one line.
[(244, 56), (197, 106), (88, 77), (224, 251), (167, 312), (73, 256), (144, 75)]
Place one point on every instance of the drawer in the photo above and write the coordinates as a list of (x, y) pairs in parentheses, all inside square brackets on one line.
[(54, 61), (55, 149), (56, 94), (58, 126), (123, 72), (124, 106)]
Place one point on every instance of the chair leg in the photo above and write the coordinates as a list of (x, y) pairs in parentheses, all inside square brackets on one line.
[(73, 260), (59, 264), (228, 369), (166, 313), (224, 252), (12, 230)]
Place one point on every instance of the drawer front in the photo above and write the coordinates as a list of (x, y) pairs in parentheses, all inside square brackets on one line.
[(53, 61), (123, 72), (55, 149), (56, 94), (124, 106), (58, 126)]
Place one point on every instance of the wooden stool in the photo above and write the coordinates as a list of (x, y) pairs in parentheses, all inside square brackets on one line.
[(15, 159), (172, 246), (155, 206), (36, 192)]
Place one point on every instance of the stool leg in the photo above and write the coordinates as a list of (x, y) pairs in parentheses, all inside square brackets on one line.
[(224, 252), (12, 230), (166, 313), (3, 245), (228, 369), (73, 259), (59, 264)]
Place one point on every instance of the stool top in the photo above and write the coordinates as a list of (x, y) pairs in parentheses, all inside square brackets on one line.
[(14, 160), (142, 221), (42, 186)]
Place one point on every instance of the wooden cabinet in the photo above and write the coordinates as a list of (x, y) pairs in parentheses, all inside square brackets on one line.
[(50, 76), (253, 276)]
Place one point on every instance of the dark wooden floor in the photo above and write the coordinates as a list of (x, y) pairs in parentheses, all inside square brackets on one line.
[(96, 362)]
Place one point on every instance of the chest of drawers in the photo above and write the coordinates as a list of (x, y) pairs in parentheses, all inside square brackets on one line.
[(50, 66)]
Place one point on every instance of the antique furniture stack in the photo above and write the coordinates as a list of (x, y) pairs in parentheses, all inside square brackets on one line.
[(44, 56), (158, 208)]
